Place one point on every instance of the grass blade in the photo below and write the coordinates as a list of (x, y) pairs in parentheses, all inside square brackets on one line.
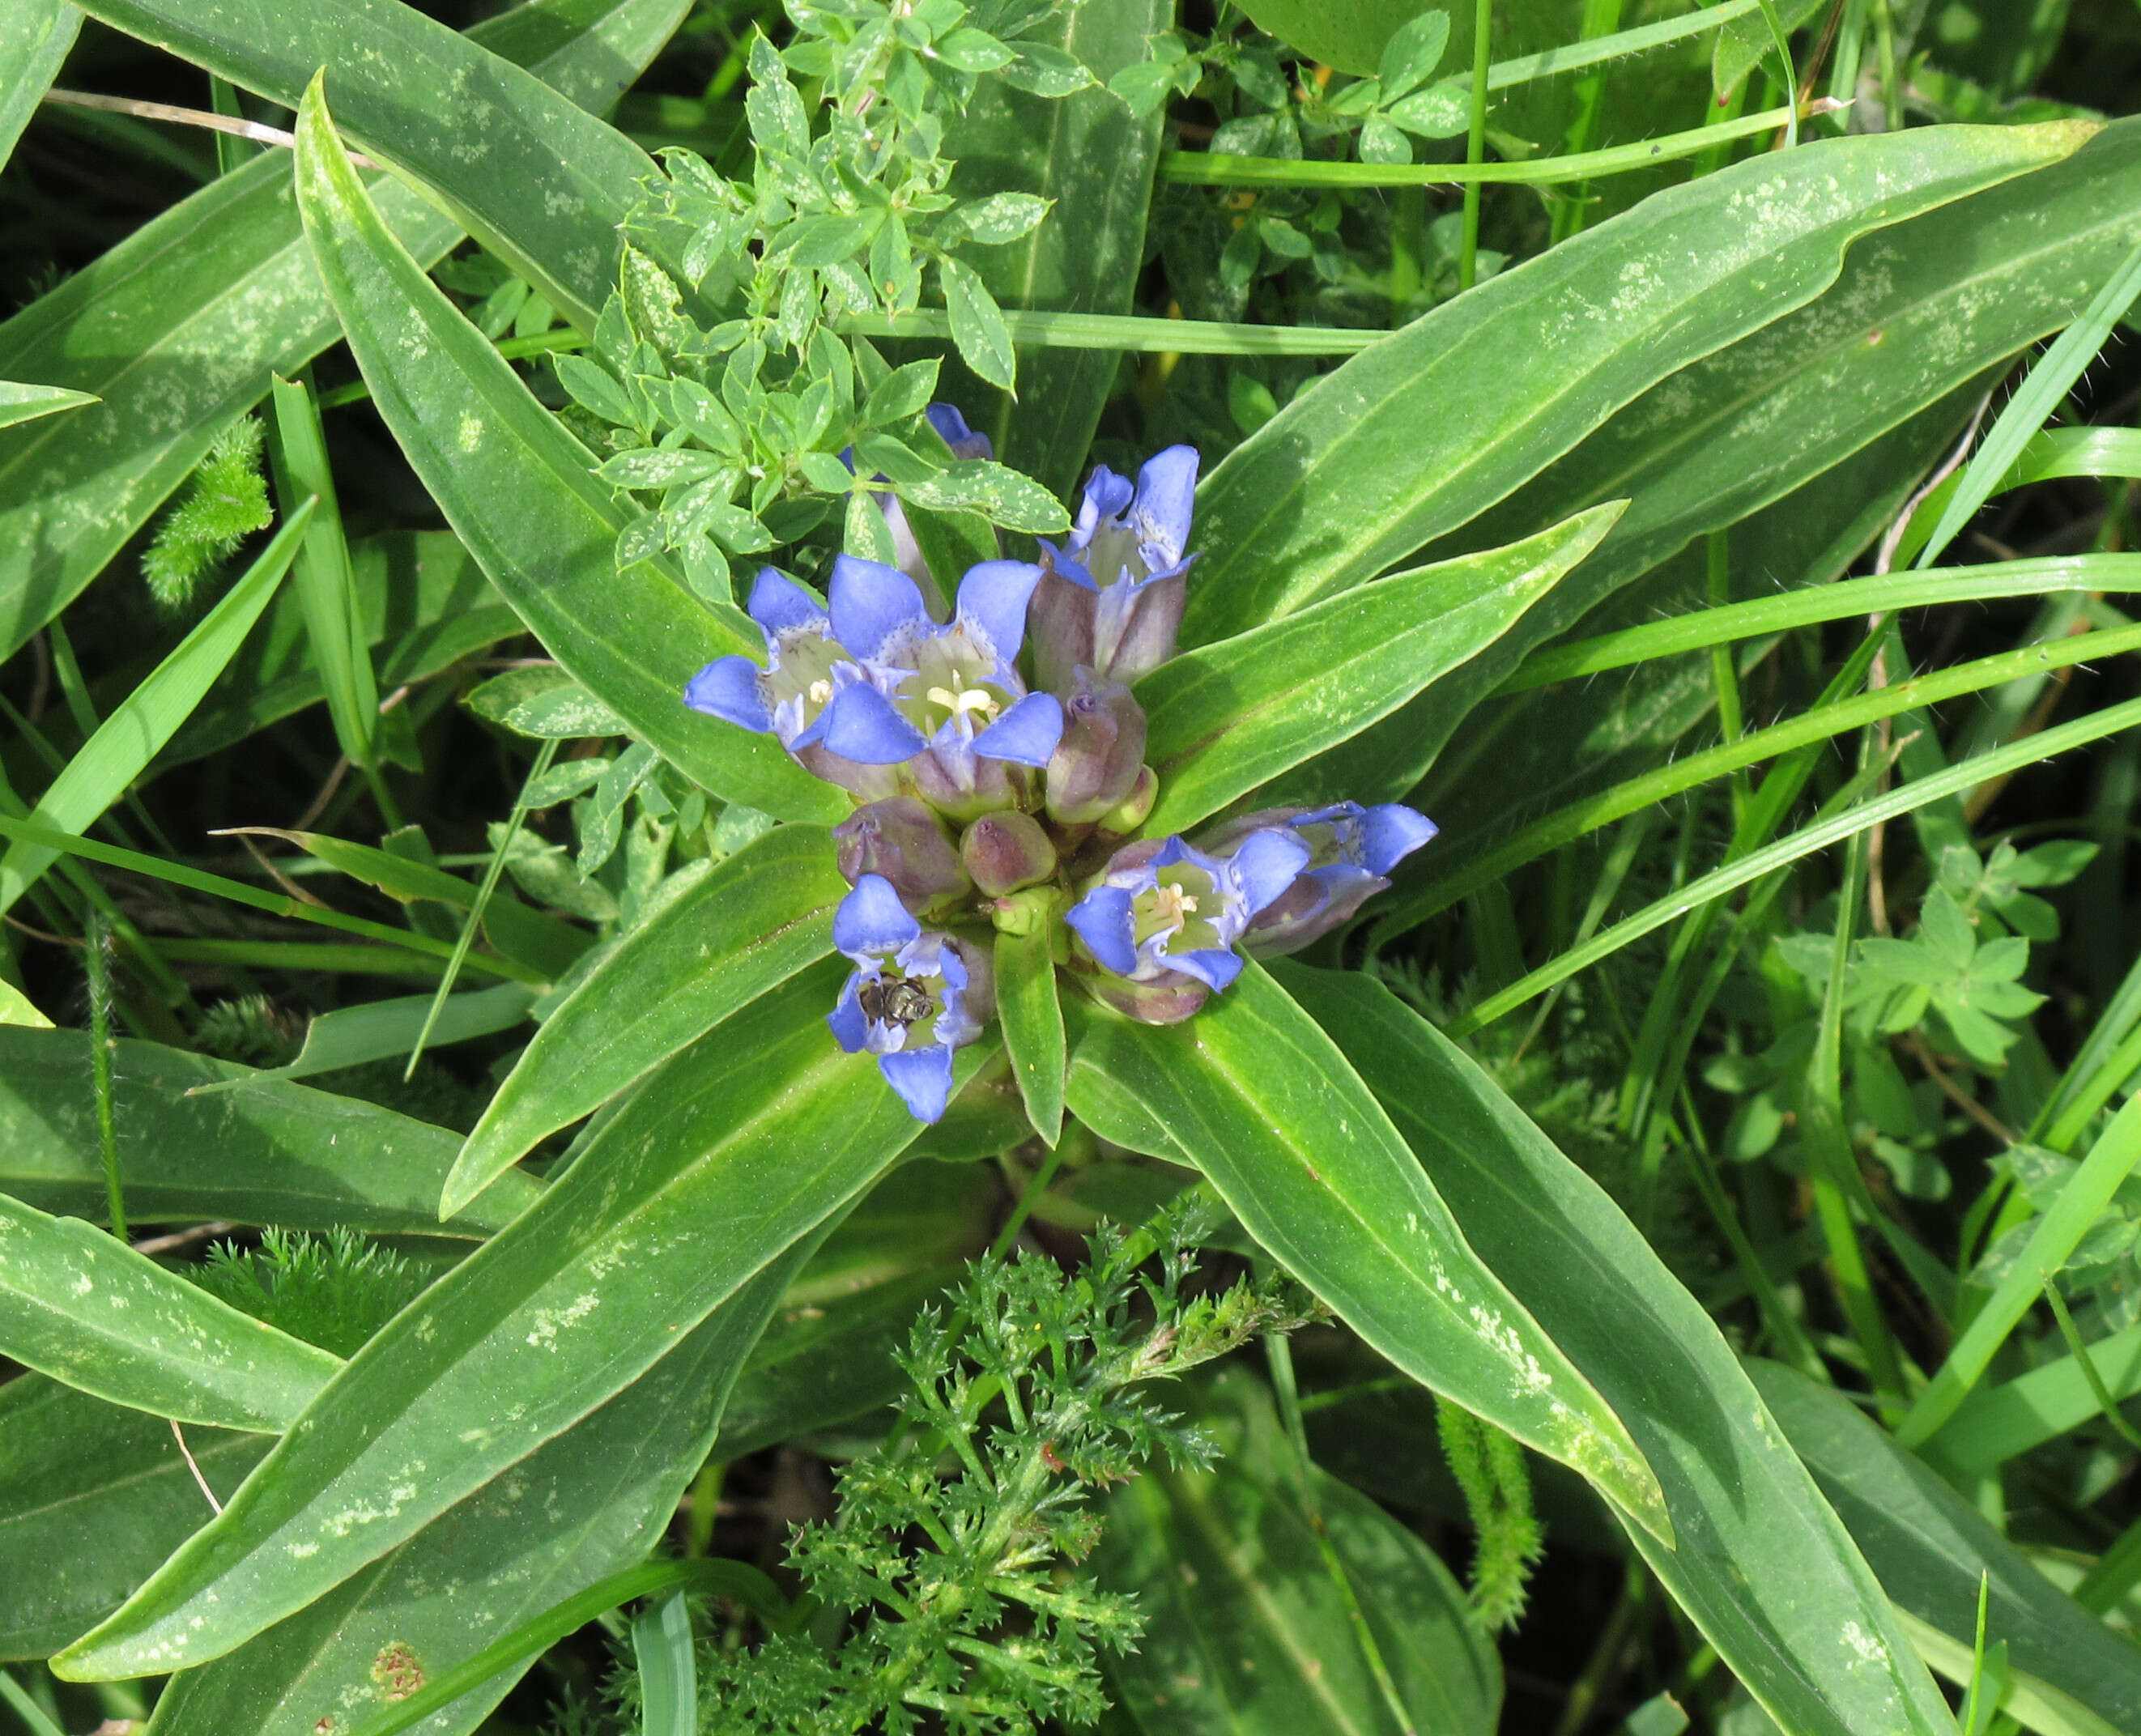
[(1734, 875), (128, 740)]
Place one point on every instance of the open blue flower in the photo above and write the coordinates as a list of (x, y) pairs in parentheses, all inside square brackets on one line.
[(1171, 909), (806, 666), (909, 1000), (1352, 850), (945, 701), (1113, 600)]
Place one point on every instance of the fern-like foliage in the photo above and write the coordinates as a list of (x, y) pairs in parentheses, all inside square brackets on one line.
[(333, 1291), (249, 1029), (225, 503), (945, 1581), (1489, 1468)]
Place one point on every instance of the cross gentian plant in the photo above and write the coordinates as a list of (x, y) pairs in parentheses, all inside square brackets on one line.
[(1000, 779)]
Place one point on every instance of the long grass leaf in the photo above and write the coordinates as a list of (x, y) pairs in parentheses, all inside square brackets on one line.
[(123, 745), (1915, 794)]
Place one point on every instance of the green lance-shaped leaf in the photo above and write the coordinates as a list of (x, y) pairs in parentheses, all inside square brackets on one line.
[(26, 403), (739, 1149), (483, 1566), (1919, 311), (268, 1153), (108, 763), (179, 328), (84, 1308), (537, 178), (1437, 422), (1033, 1020), (92, 1497), (1241, 1611), (1930, 1547), (519, 489), (1093, 159), (1228, 716), (1263, 1102), (34, 35), (1763, 1566), (754, 922)]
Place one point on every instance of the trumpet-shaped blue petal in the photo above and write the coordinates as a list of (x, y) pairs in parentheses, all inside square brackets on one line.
[(1213, 967), (873, 604), (1166, 496), (1265, 865), (1105, 921), (993, 596), (1026, 734), (922, 1078), (1390, 832), (778, 604), (871, 921), (861, 725), (729, 688)]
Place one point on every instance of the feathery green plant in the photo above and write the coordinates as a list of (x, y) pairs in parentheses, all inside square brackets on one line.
[(226, 501), (943, 1588)]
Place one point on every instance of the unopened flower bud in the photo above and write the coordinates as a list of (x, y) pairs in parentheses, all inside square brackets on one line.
[(1005, 851), (1135, 809), (1101, 750), (1168, 999), (900, 840)]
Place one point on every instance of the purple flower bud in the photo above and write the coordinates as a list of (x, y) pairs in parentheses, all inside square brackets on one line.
[(1111, 599), (1005, 851), (1351, 852), (1167, 999), (907, 553), (1096, 762), (902, 841)]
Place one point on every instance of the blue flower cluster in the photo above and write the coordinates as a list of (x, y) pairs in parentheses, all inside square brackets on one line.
[(990, 794)]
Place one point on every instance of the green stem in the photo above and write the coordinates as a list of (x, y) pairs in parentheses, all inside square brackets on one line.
[(99, 1068), (2105, 1402), (1475, 143), (474, 921)]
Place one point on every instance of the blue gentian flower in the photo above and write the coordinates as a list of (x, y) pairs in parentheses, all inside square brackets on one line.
[(1113, 600), (1352, 850), (944, 701), (1169, 909), (806, 665), (911, 1000)]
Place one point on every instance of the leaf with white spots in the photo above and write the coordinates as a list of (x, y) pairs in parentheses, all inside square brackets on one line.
[(1420, 433), (177, 329), (1260, 1098), (86, 1309), (1763, 1566), (520, 492), (736, 1151)]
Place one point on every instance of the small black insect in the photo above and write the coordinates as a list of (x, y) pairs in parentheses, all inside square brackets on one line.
[(894, 1000)]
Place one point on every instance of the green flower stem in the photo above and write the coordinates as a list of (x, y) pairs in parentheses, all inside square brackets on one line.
[(1475, 144), (1214, 169), (99, 1069), (472, 921)]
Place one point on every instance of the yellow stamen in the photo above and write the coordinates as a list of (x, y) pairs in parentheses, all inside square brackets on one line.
[(820, 692)]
